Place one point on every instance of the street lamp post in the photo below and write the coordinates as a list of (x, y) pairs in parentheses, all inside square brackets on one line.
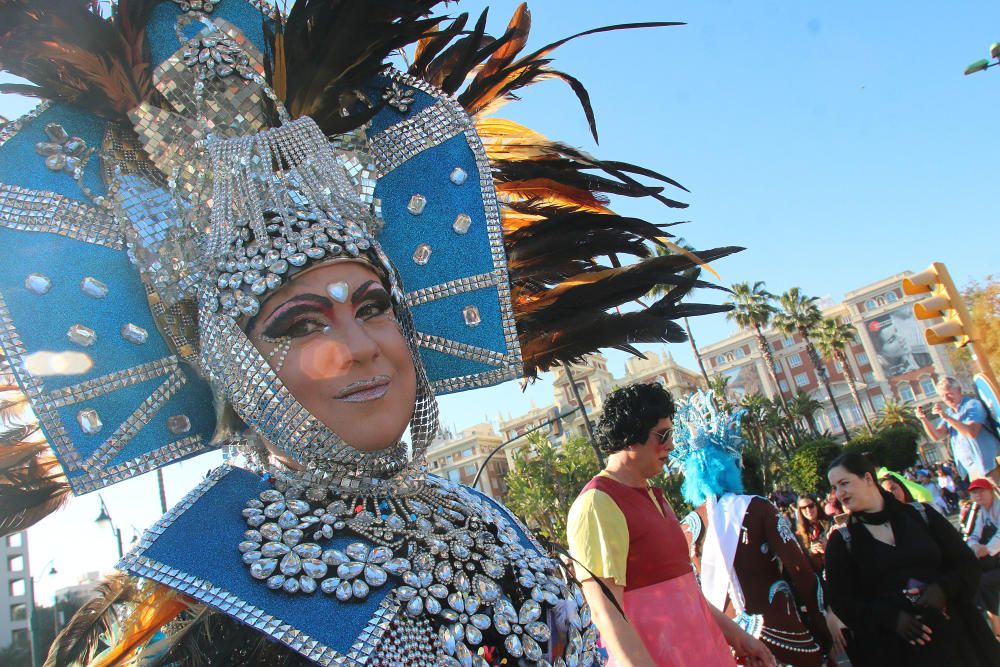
[(104, 519), (36, 659)]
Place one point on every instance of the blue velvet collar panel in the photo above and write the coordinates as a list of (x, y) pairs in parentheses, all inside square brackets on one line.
[(193, 549)]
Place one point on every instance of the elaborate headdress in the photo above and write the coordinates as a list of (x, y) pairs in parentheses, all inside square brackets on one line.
[(707, 448), (294, 133)]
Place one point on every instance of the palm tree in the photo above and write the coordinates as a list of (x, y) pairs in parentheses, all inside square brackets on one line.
[(754, 430), (800, 314), (752, 308), (896, 413), (719, 386), (805, 407), (833, 339)]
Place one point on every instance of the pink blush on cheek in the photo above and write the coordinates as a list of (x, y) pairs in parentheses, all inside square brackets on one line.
[(323, 359)]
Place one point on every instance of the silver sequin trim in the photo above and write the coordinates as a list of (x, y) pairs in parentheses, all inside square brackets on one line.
[(38, 211)]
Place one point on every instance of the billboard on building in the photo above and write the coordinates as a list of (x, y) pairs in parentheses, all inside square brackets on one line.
[(899, 342), (743, 380)]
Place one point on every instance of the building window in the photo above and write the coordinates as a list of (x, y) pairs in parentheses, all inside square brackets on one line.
[(19, 636), (720, 360), (740, 353), (891, 297), (17, 588), (777, 367), (880, 301), (905, 391), (788, 342), (18, 612), (470, 470), (15, 563), (869, 304), (878, 400), (783, 386), (455, 475), (467, 454), (449, 459), (927, 385), (795, 360), (15, 540), (801, 380), (862, 358), (730, 357)]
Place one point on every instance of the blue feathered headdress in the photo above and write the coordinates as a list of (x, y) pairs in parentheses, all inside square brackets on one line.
[(707, 448)]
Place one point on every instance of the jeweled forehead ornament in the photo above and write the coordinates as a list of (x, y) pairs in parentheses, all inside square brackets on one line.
[(338, 291)]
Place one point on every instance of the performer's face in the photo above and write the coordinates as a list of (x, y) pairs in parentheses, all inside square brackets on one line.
[(347, 361), (650, 456)]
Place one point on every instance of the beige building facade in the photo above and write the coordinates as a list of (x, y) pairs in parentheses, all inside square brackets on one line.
[(889, 359), (459, 456)]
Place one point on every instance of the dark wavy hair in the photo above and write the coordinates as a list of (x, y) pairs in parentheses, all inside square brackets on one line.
[(855, 463), (630, 412)]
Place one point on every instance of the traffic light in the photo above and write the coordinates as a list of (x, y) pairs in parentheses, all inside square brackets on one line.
[(945, 301)]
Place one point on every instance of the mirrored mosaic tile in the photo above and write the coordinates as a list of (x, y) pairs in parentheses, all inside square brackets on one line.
[(417, 204), (93, 288), (134, 334), (458, 176), (38, 283), (82, 335), (89, 421), (422, 254), (462, 223)]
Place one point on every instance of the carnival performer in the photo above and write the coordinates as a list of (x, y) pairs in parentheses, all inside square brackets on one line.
[(626, 539), (901, 579), (750, 563), (246, 230)]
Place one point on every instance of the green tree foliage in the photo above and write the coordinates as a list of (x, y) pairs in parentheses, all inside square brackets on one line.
[(894, 447), (15, 655), (806, 469), (544, 481), (897, 413)]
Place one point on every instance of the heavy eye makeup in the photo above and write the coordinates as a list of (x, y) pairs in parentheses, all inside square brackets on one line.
[(310, 313)]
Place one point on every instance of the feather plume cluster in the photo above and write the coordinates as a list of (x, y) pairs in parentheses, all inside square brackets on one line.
[(32, 484), (73, 55)]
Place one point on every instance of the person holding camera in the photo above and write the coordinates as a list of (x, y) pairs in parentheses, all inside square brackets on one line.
[(901, 579), (969, 428)]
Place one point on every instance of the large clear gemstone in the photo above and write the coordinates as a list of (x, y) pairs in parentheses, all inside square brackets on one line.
[(422, 254), (416, 204), (462, 223), (82, 335), (94, 288), (458, 176), (37, 283), (178, 424), (471, 316), (134, 334), (89, 421)]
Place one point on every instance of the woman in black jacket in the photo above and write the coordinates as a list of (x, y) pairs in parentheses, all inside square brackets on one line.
[(901, 578)]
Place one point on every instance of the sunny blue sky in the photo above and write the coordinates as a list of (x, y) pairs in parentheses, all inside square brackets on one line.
[(839, 142)]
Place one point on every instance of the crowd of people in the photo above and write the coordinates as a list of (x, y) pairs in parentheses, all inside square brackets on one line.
[(873, 571)]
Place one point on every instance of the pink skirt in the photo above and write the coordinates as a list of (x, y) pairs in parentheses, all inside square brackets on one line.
[(676, 625)]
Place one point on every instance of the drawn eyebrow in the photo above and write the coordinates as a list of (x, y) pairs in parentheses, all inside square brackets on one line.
[(358, 293), (298, 300)]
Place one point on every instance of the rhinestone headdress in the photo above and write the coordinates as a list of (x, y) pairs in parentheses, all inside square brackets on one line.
[(700, 425), (267, 225)]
